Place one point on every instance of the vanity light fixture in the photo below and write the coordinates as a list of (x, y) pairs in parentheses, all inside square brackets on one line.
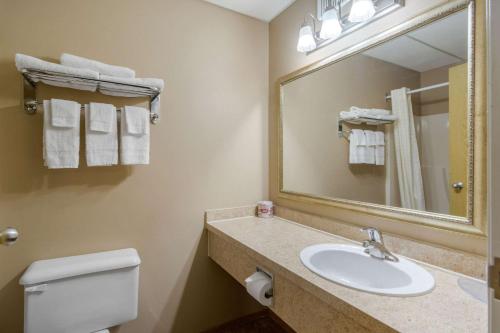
[(331, 27), (361, 10), (306, 42), (338, 18)]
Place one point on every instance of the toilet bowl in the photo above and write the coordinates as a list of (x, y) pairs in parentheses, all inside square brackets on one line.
[(60, 295)]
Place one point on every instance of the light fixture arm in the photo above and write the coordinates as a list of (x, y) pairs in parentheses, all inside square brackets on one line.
[(314, 20)]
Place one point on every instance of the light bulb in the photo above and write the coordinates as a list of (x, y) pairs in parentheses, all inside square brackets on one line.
[(361, 10), (330, 28), (306, 41)]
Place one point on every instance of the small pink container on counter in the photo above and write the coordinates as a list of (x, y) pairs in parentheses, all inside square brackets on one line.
[(265, 209)]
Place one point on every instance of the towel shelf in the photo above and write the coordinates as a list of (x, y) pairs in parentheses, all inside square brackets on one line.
[(358, 121), (31, 77)]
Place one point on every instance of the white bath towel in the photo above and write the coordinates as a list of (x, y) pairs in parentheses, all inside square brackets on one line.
[(354, 116), (106, 69), (369, 111), (61, 145), (101, 146), (134, 148), (102, 117), (357, 147), (136, 120), (64, 113), (370, 147), (24, 62), (111, 83), (379, 148)]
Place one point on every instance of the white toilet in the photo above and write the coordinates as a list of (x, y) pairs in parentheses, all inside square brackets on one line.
[(81, 294)]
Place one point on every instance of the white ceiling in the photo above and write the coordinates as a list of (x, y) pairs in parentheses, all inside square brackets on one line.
[(264, 10), (438, 44)]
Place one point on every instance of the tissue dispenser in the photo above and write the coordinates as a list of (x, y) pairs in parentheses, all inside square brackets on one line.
[(260, 286)]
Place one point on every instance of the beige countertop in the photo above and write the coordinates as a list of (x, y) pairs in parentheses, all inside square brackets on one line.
[(446, 309)]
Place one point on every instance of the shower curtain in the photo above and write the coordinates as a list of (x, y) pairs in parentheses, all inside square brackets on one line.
[(411, 187)]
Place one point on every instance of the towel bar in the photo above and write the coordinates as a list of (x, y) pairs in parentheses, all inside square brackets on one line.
[(358, 121), (32, 106)]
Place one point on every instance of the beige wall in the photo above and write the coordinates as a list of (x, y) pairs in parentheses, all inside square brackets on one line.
[(284, 59), (315, 159), (210, 150)]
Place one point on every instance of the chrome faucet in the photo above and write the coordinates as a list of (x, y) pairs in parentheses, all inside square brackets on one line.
[(375, 247)]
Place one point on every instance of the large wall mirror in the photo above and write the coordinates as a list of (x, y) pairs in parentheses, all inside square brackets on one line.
[(389, 124)]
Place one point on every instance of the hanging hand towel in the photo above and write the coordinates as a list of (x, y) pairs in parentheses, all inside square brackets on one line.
[(370, 147), (357, 147), (64, 113), (81, 62), (136, 120), (134, 148), (61, 145), (102, 116), (380, 148), (101, 143)]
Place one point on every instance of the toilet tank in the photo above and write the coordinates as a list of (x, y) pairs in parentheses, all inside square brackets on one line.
[(81, 294)]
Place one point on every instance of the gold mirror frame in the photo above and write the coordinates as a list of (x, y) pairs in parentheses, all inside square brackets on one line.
[(475, 222)]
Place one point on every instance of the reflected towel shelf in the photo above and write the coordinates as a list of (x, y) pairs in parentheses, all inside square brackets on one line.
[(31, 77), (359, 121)]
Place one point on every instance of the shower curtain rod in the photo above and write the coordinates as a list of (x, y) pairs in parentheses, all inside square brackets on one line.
[(434, 86)]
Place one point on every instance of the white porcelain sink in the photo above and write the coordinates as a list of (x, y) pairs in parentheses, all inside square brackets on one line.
[(350, 266)]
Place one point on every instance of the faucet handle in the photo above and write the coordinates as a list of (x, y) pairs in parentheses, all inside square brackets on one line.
[(374, 234)]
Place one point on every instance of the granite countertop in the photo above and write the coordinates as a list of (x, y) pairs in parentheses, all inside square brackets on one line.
[(446, 309)]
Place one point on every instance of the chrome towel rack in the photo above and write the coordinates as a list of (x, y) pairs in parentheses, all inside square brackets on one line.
[(358, 121), (31, 78), (33, 106)]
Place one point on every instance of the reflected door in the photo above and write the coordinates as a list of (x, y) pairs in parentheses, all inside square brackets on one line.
[(458, 137)]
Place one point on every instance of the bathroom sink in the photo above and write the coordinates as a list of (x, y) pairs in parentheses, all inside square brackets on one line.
[(350, 266)]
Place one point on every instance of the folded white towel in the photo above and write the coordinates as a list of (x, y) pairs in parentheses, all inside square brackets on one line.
[(64, 113), (379, 148), (27, 62), (155, 105), (353, 117), (348, 115), (136, 120), (61, 145), (114, 88), (357, 147), (369, 111), (111, 82), (370, 147), (381, 117), (106, 69), (134, 148), (102, 117), (101, 147)]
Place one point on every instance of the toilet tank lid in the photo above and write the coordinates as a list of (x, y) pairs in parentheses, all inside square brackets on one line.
[(54, 269)]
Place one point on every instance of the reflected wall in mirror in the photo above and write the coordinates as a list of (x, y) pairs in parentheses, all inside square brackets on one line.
[(388, 125)]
